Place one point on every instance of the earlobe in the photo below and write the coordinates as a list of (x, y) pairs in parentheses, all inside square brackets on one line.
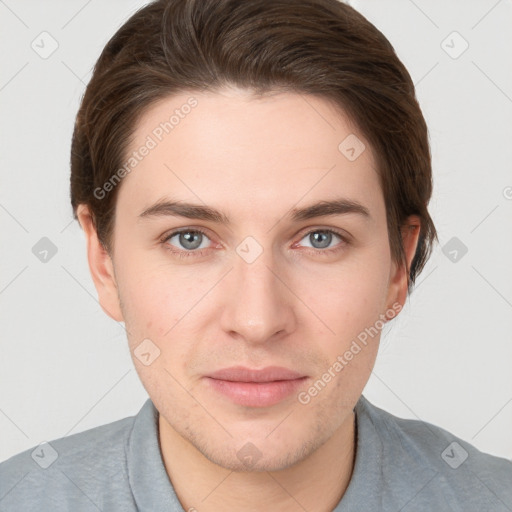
[(398, 279), (100, 266)]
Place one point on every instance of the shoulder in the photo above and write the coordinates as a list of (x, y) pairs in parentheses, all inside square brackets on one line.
[(450, 467), (76, 469)]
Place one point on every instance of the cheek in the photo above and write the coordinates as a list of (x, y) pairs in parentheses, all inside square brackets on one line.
[(162, 303), (349, 297), (152, 304), (155, 306)]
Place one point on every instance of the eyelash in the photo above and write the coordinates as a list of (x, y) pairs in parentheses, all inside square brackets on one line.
[(200, 252)]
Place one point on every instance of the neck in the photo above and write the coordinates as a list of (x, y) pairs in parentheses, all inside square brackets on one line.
[(318, 482)]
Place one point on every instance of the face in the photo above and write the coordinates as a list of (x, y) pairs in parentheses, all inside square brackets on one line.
[(254, 277)]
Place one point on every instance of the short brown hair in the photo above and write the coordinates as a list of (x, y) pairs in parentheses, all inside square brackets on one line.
[(320, 47)]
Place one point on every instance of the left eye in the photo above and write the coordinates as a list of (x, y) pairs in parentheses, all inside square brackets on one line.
[(321, 239)]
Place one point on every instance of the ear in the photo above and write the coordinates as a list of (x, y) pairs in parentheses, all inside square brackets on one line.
[(397, 291), (100, 266)]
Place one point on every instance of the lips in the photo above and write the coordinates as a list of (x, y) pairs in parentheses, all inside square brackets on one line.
[(268, 374), (253, 387)]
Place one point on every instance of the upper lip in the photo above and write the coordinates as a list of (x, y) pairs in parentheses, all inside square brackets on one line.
[(267, 374)]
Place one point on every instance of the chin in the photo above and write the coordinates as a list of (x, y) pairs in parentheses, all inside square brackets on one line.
[(260, 455)]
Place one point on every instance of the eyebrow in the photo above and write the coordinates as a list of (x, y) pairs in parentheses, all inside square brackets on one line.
[(166, 208)]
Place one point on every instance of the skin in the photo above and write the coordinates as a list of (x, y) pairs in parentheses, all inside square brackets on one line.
[(295, 306)]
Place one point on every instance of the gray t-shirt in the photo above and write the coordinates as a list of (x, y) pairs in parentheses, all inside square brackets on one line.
[(401, 465)]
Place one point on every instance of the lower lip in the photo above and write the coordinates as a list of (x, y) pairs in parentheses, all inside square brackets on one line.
[(256, 394)]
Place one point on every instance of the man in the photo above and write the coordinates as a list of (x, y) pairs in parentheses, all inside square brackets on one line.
[(252, 179)]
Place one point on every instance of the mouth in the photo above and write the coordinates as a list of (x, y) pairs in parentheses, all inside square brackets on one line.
[(255, 387)]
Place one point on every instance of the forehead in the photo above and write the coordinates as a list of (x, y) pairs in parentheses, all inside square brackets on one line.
[(231, 147)]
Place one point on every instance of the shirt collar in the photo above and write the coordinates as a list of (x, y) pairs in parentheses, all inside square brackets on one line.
[(383, 464), (359, 495), (150, 484)]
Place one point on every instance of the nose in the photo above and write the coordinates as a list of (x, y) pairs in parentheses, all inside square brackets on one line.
[(258, 305)]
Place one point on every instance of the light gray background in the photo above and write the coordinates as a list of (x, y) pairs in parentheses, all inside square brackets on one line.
[(65, 365)]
